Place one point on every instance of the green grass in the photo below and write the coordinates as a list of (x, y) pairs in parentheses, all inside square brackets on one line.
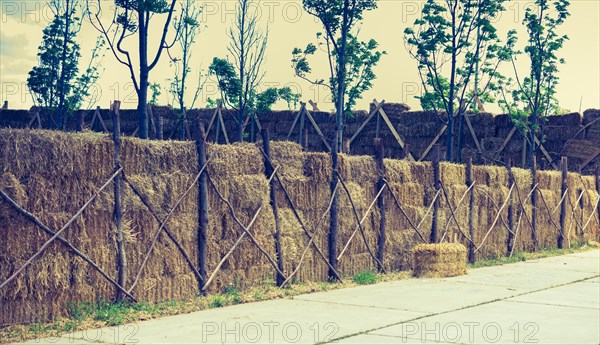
[(365, 278), (524, 256)]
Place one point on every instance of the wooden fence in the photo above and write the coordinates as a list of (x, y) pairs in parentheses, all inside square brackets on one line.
[(518, 214)]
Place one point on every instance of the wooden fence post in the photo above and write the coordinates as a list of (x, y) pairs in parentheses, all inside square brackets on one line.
[(511, 220), (563, 204), (380, 203), (270, 170), (80, 121), (301, 131), (159, 129), (118, 211), (471, 210), (333, 215), (436, 185), (305, 139), (151, 123), (534, 203), (405, 151), (202, 203)]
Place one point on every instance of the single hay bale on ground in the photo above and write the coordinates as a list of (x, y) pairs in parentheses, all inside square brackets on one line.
[(439, 260)]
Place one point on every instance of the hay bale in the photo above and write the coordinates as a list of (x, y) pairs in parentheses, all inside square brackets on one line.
[(452, 174), (439, 260), (590, 119), (289, 157), (391, 108), (572, 119)]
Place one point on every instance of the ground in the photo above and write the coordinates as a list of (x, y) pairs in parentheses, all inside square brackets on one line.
[(547, 301)]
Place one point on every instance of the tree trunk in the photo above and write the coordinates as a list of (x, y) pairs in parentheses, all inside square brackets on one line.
[(459, 145), (144, 72), (449, 138), (60, 113), (334, 213)]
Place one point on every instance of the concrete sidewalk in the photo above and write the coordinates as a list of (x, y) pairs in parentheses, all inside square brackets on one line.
[(548, 301)]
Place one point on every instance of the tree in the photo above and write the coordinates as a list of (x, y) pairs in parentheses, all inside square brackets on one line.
[(533, 98), (338, 17), (350, 61), (56, 83), (247, 47), (134, 17), (254, 102), (189, 27), (361, 58), (459, 33)]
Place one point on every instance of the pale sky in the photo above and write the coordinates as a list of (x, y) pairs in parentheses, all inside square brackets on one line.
[(22, 22)]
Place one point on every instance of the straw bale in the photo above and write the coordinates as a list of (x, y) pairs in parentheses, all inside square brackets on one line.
[(590, 116), (289, 157), (572, 119), (551, 180), (397, 171), (409, 193), (439, 260), (11, 186), (425, 130), (452, 174), (362, 169), (490, 176), (317, 167), (582, 149), (234, 160), (391, 108), (422, 172)]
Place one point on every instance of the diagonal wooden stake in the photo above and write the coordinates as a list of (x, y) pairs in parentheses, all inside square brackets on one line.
[(316, 127), (245, 229), (302, 223), (453, 210), (391, 127), (473, 135), (59, 232), (360, 222), (496, 219), (312, 242), (416, 228), (506, 141), (162, 227), (366, 122), (362, 231), (62, 240), (302, 106), (433, 142), (235, 245)]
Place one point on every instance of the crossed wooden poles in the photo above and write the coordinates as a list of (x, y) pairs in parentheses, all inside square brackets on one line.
[(202, 179)]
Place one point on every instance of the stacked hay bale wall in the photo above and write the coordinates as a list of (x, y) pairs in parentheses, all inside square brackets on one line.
[(573, 135), (52, 174)]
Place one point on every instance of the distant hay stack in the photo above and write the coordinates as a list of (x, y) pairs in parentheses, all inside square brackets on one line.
[(439, 260)]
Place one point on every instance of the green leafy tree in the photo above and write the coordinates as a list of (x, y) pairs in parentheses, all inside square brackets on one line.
[(56, 82), (131, 18), (532, 99), (257, 102), (458, 53), (155, 90), (338, 18), (350, 61), (361, 58)]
